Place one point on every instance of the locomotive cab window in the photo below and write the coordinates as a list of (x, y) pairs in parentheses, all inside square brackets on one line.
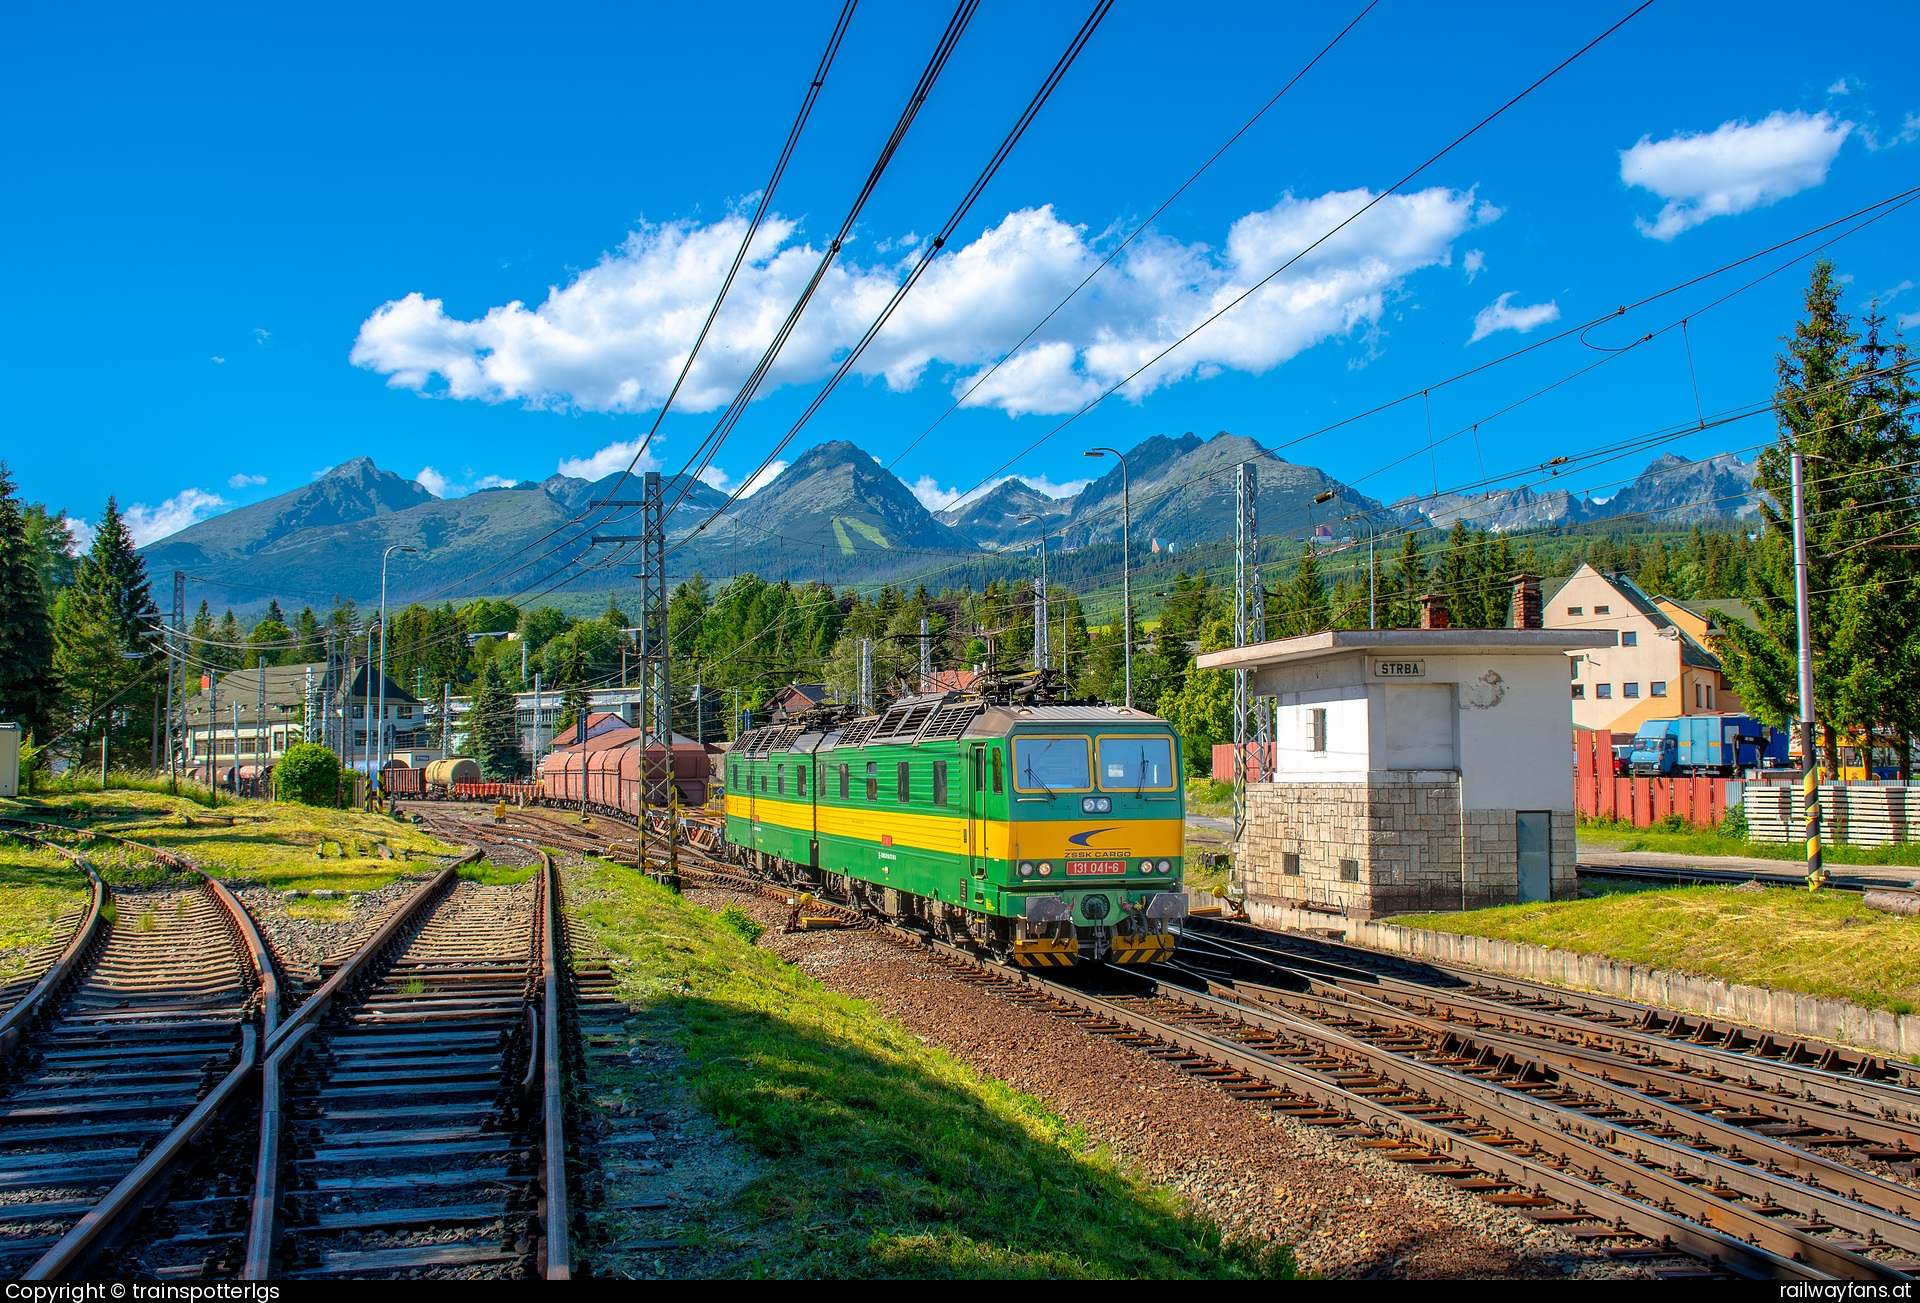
[(903, 783), (996, 771), (1049, 764), (1135, 763)]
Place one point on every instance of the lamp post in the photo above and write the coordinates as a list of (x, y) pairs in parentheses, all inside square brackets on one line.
[(380, 724), (1373, 529), (1126, 560), (1042, 652)]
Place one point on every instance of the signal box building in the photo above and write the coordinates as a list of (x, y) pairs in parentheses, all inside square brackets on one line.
[(1414, 769)]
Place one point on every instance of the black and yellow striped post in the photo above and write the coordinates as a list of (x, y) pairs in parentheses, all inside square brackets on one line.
[(1810, 787)]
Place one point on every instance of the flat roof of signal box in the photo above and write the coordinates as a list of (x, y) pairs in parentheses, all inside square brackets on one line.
[(1407, 642)]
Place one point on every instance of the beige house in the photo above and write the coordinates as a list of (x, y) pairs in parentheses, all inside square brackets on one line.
[(1659, 668)]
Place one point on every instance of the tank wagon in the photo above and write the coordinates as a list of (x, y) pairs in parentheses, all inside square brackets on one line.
[(1048, 835), (443, 774)]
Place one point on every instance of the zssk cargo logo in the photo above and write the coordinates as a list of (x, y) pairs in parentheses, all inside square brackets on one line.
[(1089, 860)]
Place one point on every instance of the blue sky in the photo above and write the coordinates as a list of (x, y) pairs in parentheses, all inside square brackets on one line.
[(246, 245)]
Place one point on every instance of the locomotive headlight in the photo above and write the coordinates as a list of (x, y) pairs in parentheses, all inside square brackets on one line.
[(1166, 867), (1046, 869), (1146, 866), (1026, 870)]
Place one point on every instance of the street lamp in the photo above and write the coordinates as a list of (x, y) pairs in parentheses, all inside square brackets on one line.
[(1126, 559), (380, 723), (1373, 528), (1042, 652)]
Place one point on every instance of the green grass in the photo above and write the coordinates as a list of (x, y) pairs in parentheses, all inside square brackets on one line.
[(1210, 797), (1822, 943), (278, 844), (36, 887), (877, 1156), (497, 875), (1704, 841)]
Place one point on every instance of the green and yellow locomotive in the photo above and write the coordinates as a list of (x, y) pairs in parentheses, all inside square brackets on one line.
[(1048, 835)]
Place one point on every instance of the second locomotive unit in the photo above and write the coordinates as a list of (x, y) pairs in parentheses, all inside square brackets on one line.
[(1048, 835)]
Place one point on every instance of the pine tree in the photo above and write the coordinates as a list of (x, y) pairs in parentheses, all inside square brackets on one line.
[(575, 699), (1305, 607), (1409, 584), (492, 731), (1834, 404), (306, 631), (28, 687), (105, 628)]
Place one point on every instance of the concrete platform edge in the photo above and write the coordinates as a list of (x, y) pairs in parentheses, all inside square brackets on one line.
[(1784, 1013)]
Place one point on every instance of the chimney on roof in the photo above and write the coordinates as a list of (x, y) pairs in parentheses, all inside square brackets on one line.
[(1527, 610), (1433, 610)]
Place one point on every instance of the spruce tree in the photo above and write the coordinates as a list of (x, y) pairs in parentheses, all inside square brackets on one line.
[(1409, 584), (493, 733), (28, 687), (1836, 404), (105, 632), (1306, 608)]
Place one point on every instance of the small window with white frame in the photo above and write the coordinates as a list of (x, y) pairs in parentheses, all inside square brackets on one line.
[(1657, 688), (1629, 689), (1604, 691), (1629, 638)]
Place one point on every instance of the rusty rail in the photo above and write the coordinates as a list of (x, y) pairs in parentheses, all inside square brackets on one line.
[(559, 1265), (98, 1228), (14, 1022), (280, 1047)]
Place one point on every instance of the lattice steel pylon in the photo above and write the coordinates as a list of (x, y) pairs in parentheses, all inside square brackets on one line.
[(656, 651), (1249, 626)]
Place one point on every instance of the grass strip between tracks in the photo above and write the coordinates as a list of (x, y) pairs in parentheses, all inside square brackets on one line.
[(1817, 943), (278, 844), (36, 887), (874, 1154)]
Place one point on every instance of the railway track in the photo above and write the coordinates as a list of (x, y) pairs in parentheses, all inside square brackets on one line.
[(1893, 878), (409, 1115), (412, 1117), (1690, 1146), (137, 1037), (1638, 1174)]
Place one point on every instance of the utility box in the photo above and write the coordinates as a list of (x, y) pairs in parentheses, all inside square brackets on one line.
[(9, 759)]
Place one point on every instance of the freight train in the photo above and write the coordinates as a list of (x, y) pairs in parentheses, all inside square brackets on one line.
[(1048, 835)]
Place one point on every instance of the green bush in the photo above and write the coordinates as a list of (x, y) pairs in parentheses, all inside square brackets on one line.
[(743, 924), (1734, 822), (309, 774)]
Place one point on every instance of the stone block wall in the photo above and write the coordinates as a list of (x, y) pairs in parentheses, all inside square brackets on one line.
[(1405, 834)]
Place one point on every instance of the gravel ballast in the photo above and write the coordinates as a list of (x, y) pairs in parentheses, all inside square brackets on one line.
[(1347, 1212)]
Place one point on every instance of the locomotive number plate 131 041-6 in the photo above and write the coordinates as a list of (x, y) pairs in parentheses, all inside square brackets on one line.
[(1079, 868)]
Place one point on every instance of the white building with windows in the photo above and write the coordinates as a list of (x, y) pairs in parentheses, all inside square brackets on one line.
[(1414, 769), (251, 717)]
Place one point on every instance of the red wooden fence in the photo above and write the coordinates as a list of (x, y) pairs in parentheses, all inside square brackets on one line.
[(1223, 761), (1642, 802)]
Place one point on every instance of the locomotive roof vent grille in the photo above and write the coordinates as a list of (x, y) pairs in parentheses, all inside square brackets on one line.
[(856, 733), (950, 722), (782, 739), (903, 722)]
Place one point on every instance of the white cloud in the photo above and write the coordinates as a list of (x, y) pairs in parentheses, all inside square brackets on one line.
[(81, 532), (442, 487), (615, 337), (187, 507), (1908, 320), (1734, 168), (1473, 264), (242, 480), (715, 478), (1838, 88), (220, 360), (610, 460), (935, 498), (1501, 314)]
